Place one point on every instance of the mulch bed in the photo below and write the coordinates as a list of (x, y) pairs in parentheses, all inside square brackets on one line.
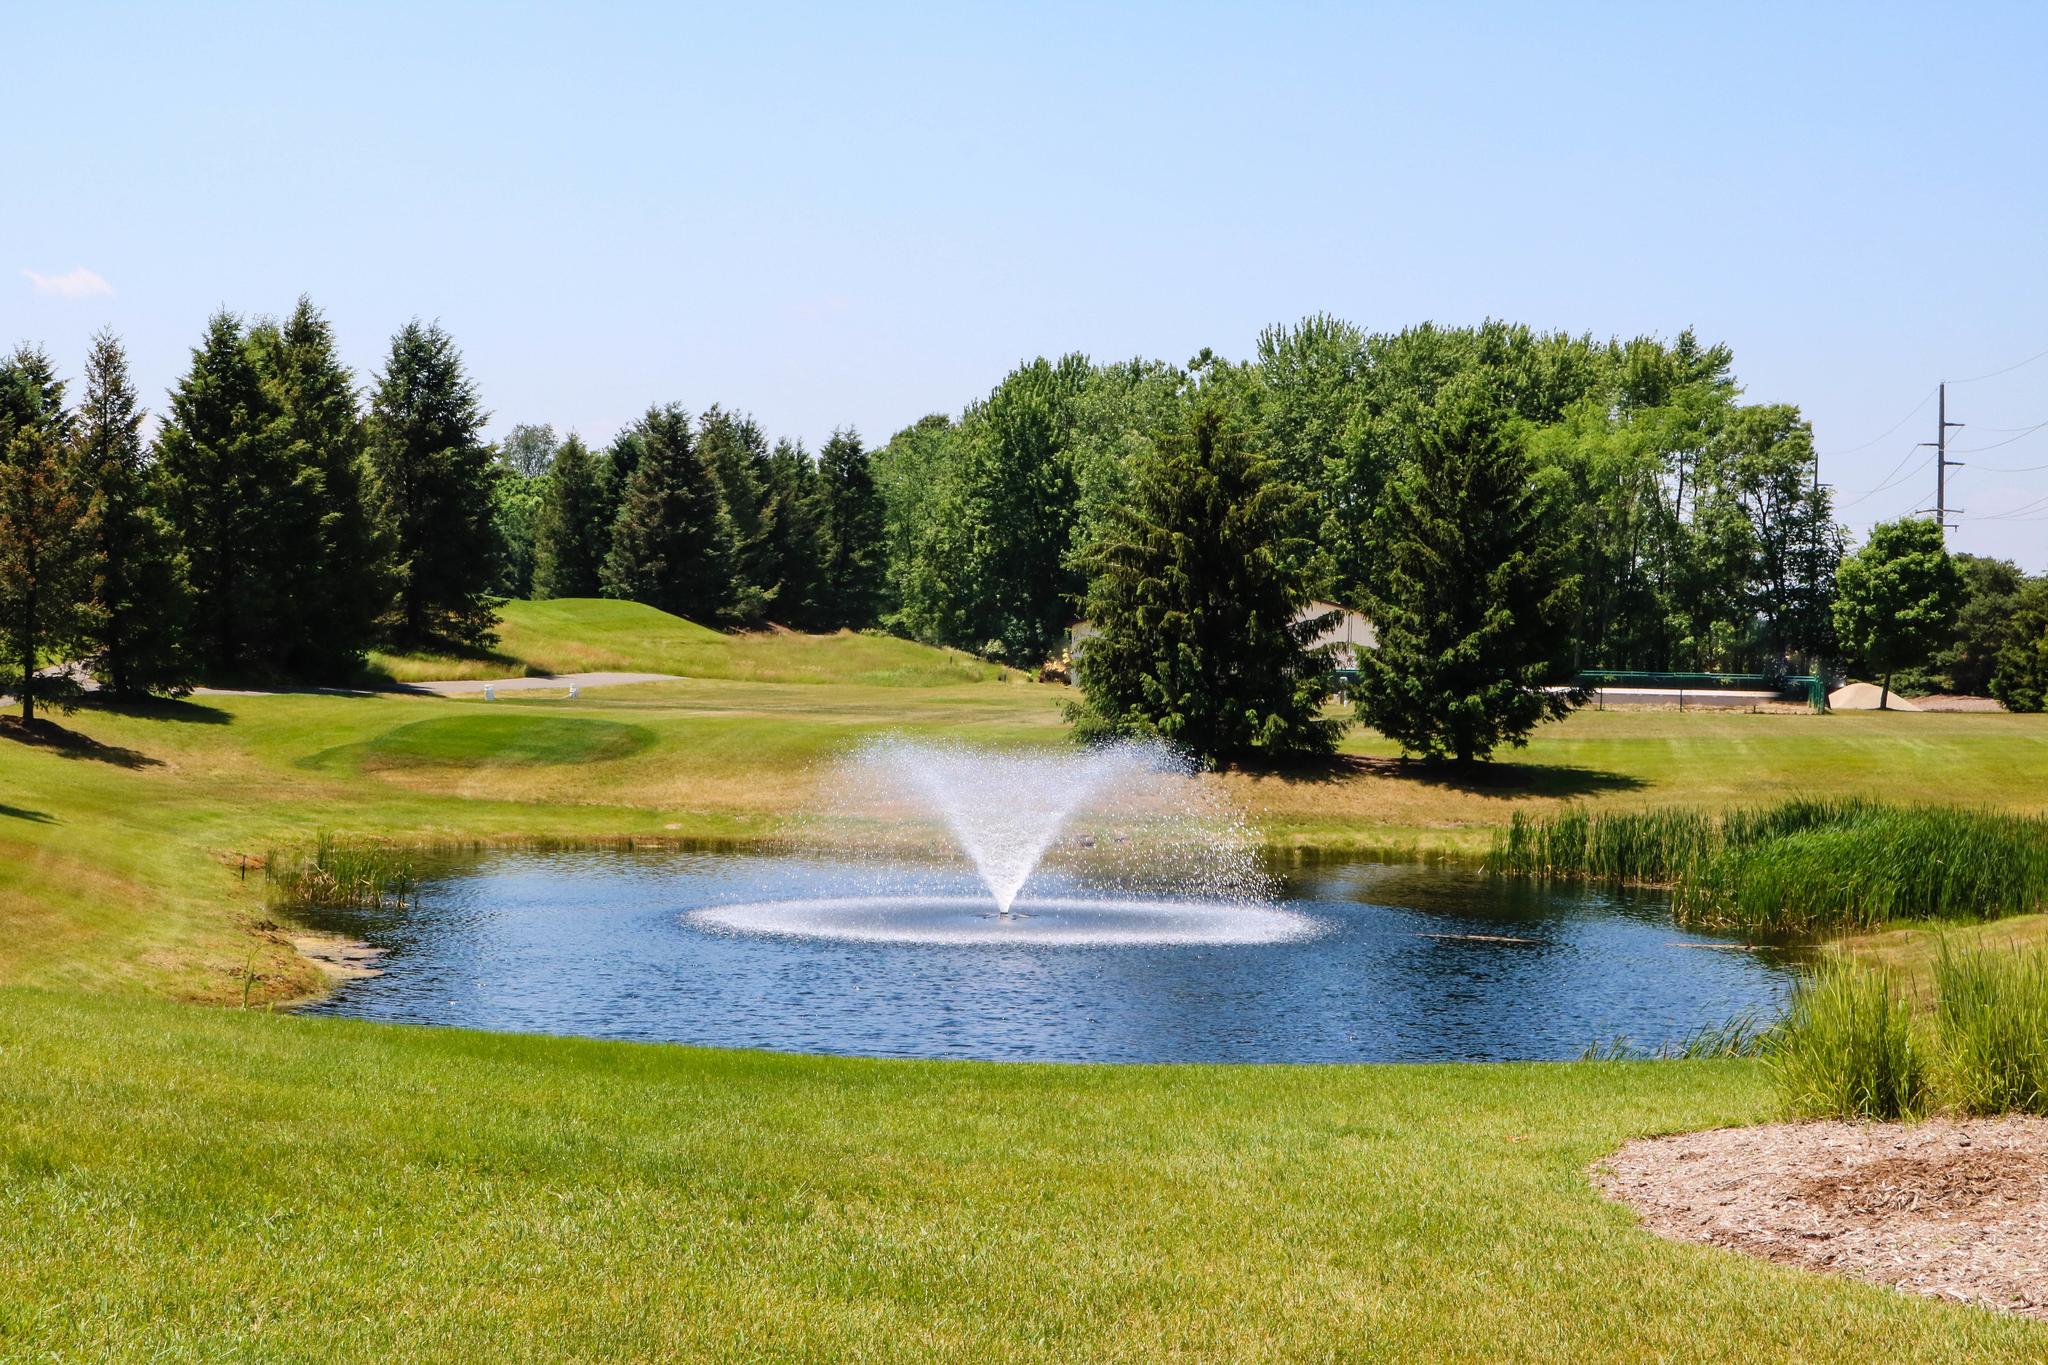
[(1954, 1208)]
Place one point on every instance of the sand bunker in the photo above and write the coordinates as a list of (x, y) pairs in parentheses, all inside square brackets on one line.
[(1957, 1209), (1864, 697)]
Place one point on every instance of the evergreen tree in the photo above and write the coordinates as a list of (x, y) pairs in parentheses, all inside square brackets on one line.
[(221, 461), (1198, 605), (1473, 590), (794, 517), (434, 481), (139, 585), (672, 546), (738, 453), (1896, 598), (851, 528), (46, 559), (569, 539), (331, 578)]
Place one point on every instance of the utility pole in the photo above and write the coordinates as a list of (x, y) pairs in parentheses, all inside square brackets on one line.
[(1942, 464)]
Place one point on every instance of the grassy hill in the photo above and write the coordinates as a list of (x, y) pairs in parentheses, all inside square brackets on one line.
[(589, 635)]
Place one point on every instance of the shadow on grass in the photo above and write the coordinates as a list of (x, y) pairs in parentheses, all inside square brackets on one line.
[(47, 734), (1479, 779), (34, 817), (162, 708)]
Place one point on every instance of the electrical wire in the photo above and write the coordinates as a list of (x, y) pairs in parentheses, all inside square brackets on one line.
[(2024, 432), (2007, 370), (1897, 476), (1851, 450)]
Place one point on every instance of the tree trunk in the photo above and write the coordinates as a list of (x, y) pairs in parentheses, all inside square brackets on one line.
[(1884, 698)]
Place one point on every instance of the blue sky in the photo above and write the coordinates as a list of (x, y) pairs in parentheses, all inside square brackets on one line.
[(860, 214)]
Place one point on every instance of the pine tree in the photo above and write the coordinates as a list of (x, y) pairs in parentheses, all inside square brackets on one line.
[(46, 558), (851, 526), (139, 586), (433, 478), (795, 517), (1201, 634), (672, 546), (331, 575), (1473, 592), (738, 453), (221, 461), (570, 540)]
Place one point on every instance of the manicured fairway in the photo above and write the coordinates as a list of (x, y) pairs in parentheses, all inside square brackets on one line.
[(188, 1184)]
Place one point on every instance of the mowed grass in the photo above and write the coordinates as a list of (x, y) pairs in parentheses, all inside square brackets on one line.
[(590, 635), (217, 1185)]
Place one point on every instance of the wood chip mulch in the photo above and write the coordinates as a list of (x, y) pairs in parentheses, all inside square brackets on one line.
[(1954, 1208)]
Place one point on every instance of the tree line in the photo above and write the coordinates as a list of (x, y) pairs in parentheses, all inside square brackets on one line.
[(282, 522), (1508, 506)]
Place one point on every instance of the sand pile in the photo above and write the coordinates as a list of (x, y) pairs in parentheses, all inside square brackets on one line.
[(1863, 697)]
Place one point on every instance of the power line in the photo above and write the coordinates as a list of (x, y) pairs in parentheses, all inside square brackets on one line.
[(2007, 370), (2024, 432), (1891, 479), (1888, 430), (2009, 468)]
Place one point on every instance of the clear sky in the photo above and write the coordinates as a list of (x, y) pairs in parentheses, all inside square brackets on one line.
[(863, 213)]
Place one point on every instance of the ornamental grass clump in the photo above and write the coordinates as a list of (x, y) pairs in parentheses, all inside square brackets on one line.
[(1849, 1048), (1991, 1012)]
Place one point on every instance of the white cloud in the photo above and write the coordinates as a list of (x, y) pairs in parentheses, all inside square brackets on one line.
[(72, 284)]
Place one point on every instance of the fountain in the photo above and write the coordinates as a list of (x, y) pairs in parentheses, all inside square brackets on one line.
[(1127, 846)]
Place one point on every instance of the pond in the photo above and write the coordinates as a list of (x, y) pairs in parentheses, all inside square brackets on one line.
[(1379, 963)]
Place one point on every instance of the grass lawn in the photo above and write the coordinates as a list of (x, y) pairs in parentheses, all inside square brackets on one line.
[(203, 1183), (589, 635), (206, 1184)]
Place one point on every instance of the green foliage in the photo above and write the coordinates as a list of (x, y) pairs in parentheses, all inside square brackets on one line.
[(1897, 597), (1474, 588), (529, 450), (851, 572), (1200, 637), (1991, 1011), (329, 576), (672, 546), (46, 542), (139, 585), (434, 479), (1848, 1048), (570, 534), (2020, 677), (223, 470), (516, 503), (794, 518), (1801, 866), (738, 455)]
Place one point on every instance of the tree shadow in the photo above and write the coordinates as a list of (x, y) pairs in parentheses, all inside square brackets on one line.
[(47, 734), (34, 817), (1477, 779), (161, 708)]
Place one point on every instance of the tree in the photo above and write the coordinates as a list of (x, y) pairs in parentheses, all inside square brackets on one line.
[(1474, 588), (2020, 678), (851, 528), (139, 585), (221, 457), (529, 451), (45, 534), (1991, 599), (569, 539), (794, 516), (1201, 635), (434, 482), (329, 573), (672, 546), (738, 454), (1896, 598)]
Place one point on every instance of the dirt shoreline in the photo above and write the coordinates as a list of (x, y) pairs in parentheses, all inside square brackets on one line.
[(1956, 1209)]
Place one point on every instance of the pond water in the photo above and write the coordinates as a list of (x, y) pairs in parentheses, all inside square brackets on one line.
[(1376, 963)]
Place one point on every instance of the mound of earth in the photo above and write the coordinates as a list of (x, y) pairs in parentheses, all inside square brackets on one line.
[(1864, 697), (1956, 1209)]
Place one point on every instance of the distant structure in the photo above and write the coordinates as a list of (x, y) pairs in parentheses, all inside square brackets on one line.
[(1350, 633)]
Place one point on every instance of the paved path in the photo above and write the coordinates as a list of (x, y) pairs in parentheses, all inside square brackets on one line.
[(462, 687)]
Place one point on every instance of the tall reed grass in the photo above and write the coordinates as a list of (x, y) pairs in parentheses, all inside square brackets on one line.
[(1849, 1049), (1991, 1013), (341, 874), (1799, 866)]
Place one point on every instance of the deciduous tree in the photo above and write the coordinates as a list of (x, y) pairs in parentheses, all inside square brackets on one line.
[(1896, 598)]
